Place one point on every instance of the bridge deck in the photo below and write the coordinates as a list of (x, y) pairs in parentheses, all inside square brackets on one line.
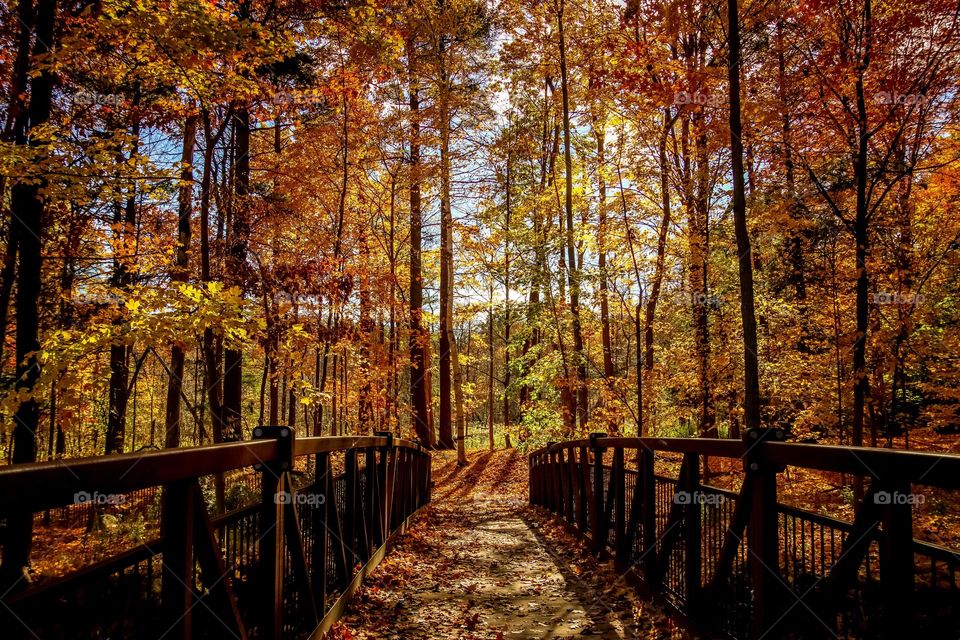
[(481, 563)]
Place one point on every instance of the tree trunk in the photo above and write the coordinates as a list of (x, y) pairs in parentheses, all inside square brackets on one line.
[(580, 399), (751, 374), (653, 298), (861, 236), (209, 347), (698, 223), (125, 221), (27, 207), (506, 290), (604, 293), (365, 415), (236, 265), (179, 274), (419, 340), (14, 130), (490, 368)]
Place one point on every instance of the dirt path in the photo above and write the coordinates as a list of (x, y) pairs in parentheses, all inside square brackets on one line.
[(480, 563)]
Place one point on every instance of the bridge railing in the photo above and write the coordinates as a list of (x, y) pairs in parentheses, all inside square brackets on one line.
[(281, 564), (742, 563)]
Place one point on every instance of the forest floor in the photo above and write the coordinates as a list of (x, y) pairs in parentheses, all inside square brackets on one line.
[(480, 563)]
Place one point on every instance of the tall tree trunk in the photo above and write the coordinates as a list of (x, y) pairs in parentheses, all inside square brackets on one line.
[(580, 402), (604, 292), (751, 373), (394, 344), (211, 367), (699, 289), (861, 236), (418, 340), (458, 398), (490, 367), (365, 416), (27, 207), (14, 130), (125, 221), (179, 274), (506, 289), (236, 264), (447, 269), (653, 297), (794, 205)]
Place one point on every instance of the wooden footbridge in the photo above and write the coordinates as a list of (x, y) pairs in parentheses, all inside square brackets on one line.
[(270, 538)]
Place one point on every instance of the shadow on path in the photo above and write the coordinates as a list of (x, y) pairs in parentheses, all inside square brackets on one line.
[(480, 564)]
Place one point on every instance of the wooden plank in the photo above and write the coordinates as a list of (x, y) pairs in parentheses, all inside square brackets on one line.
[(599, 536), (693, 561), (763, 543), (55, 484), (618, 481), (896, 560), (577, 478), (930, 469), (270, 583), (648, 512), (177, 525), (320, 524), (350, 507)]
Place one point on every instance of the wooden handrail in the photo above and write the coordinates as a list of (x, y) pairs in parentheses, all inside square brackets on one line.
[(741, 559), (56, 483), (43, 485), (931, 469), (280, 543)]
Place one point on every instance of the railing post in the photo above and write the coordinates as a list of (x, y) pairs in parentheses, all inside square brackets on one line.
[(383, 471), (321, 522), (896, 558), (351, 498), (763, 541), (693, 566), (370, 513), (618, 478), (272, 529), (429, 482), (600, 531), (580, 469), (176, 584), (550, 491), (646, 485), (565, 489), (401, 504), (531, 481)]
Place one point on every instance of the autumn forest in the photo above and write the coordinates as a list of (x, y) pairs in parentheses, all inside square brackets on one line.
[(479, 225)]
